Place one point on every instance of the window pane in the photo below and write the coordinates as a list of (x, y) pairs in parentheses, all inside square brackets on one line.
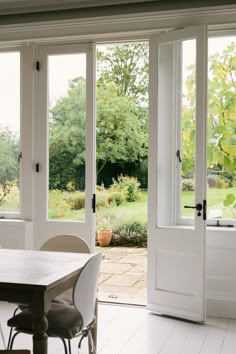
[(221, 162), (66, 140), (9, 131), (188, 124)]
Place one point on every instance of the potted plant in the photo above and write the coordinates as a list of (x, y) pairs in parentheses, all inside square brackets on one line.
[(104, 235)]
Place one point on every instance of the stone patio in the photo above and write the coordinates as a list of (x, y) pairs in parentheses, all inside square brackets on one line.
[(123, 277)]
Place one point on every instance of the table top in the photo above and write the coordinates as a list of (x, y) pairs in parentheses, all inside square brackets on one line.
[(38, 268)]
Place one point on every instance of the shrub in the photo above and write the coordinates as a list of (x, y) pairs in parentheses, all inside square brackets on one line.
[(211, 180), (102, 199), (130, 234), (128, 185), (76, 200), (221, 183), (188, 184), (57, 205), (116, 198)]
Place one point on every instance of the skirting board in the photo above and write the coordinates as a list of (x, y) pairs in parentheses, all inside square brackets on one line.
[(221, 308)]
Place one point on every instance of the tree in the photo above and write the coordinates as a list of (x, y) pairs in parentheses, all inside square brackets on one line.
[(121, 128), (221, 117), (126, 66), (222, 110), (67, 137), (9, 152), (121, 133)]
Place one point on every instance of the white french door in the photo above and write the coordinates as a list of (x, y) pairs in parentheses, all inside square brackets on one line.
[(176, 244), (65, 141)]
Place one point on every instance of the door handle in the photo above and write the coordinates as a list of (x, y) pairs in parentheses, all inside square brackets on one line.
[(197, 206)]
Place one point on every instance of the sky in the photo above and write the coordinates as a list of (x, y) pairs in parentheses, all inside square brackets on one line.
[(63, 68)]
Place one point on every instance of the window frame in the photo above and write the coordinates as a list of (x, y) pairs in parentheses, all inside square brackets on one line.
[(188, 221)]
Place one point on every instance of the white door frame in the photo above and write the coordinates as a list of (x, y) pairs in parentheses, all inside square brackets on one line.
[(45, 229), (176, 253)]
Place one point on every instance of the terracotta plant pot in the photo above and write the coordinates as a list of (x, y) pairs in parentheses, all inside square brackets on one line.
[(104, 237)]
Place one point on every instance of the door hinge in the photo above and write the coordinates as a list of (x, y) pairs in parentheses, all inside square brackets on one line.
[(94, 203), (37, 65), (19, 157), (37, 167), (178, 155)]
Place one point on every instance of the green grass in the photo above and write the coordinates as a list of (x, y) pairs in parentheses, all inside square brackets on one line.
[(137, 211), (215, 199), (114, 215)]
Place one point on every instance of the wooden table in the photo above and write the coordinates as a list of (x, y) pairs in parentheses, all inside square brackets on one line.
[(35, 278)]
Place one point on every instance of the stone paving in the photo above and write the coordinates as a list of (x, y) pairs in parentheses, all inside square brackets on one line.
[(123, 276)]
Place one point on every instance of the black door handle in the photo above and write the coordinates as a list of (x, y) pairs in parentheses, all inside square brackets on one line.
[(197, 206)]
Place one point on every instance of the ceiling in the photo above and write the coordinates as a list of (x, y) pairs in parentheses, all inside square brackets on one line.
[(25, 11), (24, 6)]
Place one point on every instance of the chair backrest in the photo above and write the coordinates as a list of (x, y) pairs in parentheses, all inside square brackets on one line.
[(85, 288), (66, 243)]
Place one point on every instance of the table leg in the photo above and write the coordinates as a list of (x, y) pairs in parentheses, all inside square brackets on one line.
[(40, 337)]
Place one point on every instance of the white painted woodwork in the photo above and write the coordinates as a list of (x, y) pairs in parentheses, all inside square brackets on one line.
[(220, 242), (176, 253), (47, 228), (16, 234)]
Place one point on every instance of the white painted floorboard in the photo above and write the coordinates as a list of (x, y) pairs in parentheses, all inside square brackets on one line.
[(134, 330)]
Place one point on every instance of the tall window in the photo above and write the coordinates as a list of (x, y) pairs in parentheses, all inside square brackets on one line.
[(221, 132), (9, 134), (221, 161)]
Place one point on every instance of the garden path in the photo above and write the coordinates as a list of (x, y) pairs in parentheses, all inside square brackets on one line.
[(123, 277)]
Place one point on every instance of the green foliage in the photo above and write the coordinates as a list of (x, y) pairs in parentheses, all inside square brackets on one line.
[(67, 138), (121, 118), (76, 200), (221, 183), (229, 199), (188, 184), (57, 204), (126, 66), (102, 199), (9, 152), (121, 128), (9, 197), (128, 185), (221, 118), (117, 198), (130, 234)]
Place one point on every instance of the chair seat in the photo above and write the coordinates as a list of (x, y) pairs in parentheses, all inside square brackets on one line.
[(63, 321)]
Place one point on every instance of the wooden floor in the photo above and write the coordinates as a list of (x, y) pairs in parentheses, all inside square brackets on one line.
[(133, 330)]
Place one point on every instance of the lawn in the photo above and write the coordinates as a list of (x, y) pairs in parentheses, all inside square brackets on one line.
[(215, 197), (138, 210)]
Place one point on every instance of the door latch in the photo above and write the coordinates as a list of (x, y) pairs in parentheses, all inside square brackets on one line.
[(197, 206)]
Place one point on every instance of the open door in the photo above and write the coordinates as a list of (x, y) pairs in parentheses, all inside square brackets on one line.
[(177, 150), (65, 142)]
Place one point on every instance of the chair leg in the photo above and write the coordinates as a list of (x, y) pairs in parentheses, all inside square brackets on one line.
[(69, 346), (3, 338), (94, 328), (10, 344), (91, 344), (11, 330), (65, 346)]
